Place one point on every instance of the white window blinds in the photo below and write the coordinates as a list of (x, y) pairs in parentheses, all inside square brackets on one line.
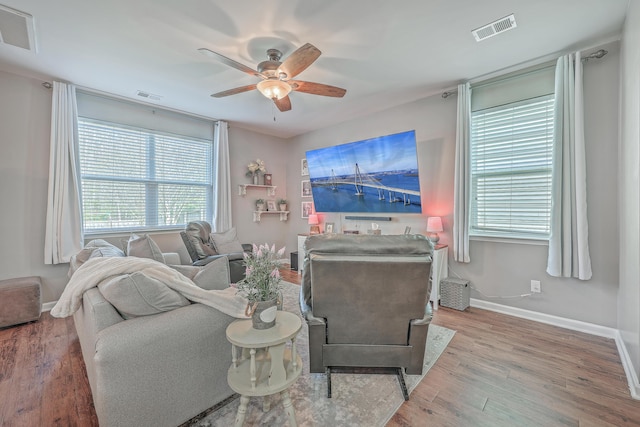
[(138, 179), (511, 150)]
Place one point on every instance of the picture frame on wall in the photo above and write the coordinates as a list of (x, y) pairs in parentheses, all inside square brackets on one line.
[(304, 167), (305, 189), (329, 227), (271, 205), (307, 209)]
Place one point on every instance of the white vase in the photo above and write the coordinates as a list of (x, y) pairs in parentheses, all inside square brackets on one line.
[(255, 179), (283, 206)]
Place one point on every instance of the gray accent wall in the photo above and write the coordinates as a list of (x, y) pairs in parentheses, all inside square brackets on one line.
[(501, 268), (628, 309)]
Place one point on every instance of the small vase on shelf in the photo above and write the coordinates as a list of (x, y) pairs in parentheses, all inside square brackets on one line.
[(256, 179)]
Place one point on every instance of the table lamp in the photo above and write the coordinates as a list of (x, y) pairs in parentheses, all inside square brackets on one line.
[(434, 224), (313, 222)]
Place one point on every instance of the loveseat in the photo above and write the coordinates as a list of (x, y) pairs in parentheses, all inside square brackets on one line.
[(156, 369)]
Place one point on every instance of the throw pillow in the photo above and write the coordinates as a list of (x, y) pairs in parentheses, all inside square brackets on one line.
[(99, 247), (144, 247), (226, 242), (214, 275), (136, 295)]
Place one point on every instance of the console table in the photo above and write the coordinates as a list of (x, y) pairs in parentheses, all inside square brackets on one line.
[(439, 270), (262, 364)]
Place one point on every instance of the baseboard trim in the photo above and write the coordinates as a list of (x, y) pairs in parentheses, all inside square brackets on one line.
[(574, 325), (47, 306), (632, 377)]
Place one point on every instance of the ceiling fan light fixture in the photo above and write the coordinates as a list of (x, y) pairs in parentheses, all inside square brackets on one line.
[(274, 89)]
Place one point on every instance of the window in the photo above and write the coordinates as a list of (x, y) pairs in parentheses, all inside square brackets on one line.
[(138, 179), (511, 153)]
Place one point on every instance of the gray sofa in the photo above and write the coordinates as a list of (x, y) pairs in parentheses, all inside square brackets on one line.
[(155, 370)]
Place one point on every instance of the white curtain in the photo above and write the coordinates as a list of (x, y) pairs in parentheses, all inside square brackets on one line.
[(461, 200), (569, 241), (221, 179), (63, 236)]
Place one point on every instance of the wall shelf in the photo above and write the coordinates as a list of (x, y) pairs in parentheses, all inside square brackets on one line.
[(257, 214), (242, 189)]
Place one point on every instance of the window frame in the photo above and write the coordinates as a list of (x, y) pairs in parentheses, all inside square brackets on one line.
[(483, 232), (151, 182)]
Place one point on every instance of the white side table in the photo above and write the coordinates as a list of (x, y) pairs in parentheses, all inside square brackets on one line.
[(439, 270), (262, 363)]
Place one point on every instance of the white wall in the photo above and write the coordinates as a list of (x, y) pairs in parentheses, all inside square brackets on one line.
[(25, 117), (629, 188), (245, 146), (503, 268)]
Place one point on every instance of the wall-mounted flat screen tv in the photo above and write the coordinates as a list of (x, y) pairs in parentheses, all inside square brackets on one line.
[(375, 175)]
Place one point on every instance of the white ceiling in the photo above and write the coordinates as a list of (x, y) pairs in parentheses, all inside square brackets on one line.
[(384, 53)]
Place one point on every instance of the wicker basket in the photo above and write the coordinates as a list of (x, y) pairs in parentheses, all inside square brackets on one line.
[(454, 293)]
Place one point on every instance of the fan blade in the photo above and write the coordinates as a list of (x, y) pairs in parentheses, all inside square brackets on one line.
[(283, 104), (317, 88), (299, 60), (230, 62), (234, 91)]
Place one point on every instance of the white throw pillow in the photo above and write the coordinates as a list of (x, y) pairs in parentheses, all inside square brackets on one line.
[(226, 242)]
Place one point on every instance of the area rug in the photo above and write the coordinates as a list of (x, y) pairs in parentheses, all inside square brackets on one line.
[(357, 399)]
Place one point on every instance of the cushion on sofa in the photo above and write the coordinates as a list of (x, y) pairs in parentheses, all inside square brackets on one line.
[(226, 242), (214, 275), (144, 247), (136, 295)]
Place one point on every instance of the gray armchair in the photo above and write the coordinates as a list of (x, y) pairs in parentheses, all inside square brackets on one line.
[(197, 240), (366, 301)]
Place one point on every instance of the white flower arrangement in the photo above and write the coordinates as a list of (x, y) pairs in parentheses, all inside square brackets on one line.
[(256, 166)]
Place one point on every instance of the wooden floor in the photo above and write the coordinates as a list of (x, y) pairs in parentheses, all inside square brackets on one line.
[(497, 371)]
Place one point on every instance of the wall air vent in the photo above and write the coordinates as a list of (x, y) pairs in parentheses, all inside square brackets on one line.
[(148, 95), (500, 26)]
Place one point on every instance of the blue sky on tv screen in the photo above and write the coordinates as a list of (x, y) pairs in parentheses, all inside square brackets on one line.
[(380, 154)]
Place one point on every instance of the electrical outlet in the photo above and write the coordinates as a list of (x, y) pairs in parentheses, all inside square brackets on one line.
[(535, 286)]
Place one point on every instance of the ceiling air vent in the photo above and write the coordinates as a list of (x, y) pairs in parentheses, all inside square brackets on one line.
[(16, 28), (500, 26)]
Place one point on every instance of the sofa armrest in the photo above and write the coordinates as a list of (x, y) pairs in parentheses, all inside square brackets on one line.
[(173, 356), (247, 247)]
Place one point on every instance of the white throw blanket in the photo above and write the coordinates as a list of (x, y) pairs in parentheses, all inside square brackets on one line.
[(95, 270)]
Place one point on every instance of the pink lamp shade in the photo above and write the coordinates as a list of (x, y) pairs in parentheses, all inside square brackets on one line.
[(434, 224), (313, 222)]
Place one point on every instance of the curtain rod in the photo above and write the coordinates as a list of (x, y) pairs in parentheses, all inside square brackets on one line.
[(594, 55), (108, 95)]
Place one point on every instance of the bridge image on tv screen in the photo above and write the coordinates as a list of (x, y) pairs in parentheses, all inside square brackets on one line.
[(374, 175)]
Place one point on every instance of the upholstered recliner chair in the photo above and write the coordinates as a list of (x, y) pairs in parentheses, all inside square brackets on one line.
[(204, 247), (365, 299)]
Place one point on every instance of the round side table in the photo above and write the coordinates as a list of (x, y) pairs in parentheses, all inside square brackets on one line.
[(262, 363)]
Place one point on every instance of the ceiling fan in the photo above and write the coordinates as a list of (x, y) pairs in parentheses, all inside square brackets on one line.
[(277, 76)]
